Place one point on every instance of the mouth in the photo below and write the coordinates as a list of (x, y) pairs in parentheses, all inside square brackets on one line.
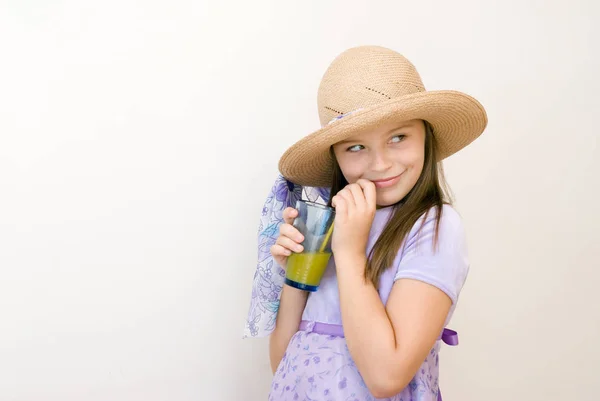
[(387, 182)]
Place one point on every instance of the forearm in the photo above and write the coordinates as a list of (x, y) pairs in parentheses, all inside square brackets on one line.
[(289, 315), (369, 333)]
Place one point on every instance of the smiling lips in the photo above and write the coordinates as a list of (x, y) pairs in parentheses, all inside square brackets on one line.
[(387, 182)]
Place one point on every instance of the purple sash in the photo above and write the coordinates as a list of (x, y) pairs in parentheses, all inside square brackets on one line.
[(449, 337)]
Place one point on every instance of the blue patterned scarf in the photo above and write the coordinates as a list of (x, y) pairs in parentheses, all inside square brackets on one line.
[(269, 276)]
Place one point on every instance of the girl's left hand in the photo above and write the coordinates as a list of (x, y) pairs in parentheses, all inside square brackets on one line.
[(355, 207)]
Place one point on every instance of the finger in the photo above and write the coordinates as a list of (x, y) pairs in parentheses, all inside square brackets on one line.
[(289, 244), (369, 192), (340, 206), (346, 194), (277, 251), (291, 232), (358, 196), (289, 214)]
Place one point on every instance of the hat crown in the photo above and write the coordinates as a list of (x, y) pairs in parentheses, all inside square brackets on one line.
[(362, 77)]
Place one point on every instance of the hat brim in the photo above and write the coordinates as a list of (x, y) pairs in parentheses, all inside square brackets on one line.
[(457, 120)]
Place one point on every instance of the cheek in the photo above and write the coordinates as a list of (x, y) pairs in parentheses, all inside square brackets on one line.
[(417, 163), (414, 158), (412, 162), (352, 168)]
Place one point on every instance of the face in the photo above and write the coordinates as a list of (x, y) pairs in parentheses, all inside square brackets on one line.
[(391, 156)]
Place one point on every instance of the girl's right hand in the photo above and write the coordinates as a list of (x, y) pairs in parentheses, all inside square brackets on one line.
[(289, 239)]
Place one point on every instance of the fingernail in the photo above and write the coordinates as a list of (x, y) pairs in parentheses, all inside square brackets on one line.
[(299, 248), (287, 252)]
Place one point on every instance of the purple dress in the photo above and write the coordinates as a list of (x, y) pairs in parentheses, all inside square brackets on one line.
[(319, 367)]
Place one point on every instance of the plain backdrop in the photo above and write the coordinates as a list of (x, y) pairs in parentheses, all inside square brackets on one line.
[(139, 139)]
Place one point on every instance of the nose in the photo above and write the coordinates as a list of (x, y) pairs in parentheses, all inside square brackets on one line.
[(380, 161)]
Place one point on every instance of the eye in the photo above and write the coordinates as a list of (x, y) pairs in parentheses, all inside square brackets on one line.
[(398, 138), (355, 148)]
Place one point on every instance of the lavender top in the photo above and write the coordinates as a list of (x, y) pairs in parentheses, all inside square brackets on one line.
[(446, 267)]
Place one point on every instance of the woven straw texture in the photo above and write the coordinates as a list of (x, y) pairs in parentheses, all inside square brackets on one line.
[(371, 85)]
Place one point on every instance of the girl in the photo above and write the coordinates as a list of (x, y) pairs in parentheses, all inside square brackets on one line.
[(373, 328)]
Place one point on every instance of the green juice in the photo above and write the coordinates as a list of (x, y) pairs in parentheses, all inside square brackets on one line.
[(304, 270)]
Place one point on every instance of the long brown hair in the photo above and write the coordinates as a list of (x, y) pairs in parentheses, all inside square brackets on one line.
[(430, 190)]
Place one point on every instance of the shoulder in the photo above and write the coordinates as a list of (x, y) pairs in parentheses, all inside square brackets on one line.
[(449, 216), (449, 228)]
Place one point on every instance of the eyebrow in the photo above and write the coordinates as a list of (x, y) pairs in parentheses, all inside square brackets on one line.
[(352, 140)]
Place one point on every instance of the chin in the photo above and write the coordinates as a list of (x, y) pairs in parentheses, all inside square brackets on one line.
[(384, 200)]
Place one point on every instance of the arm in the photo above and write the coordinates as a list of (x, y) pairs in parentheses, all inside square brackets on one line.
[(388, 345), (288, 319), (292, 301)]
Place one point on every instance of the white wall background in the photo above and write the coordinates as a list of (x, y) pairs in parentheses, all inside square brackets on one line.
[(138, 140)]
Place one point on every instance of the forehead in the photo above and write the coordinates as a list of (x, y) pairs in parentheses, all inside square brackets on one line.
[(384, 129)]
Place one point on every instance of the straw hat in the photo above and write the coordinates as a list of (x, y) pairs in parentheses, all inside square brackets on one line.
[(369, 85)]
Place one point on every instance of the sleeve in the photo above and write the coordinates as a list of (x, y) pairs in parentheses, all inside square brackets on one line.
[(446, 266)]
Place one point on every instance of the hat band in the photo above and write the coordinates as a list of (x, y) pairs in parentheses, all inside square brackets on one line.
[(334, 119)]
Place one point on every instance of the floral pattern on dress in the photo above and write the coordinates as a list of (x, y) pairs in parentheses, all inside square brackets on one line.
[(318, 367)]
